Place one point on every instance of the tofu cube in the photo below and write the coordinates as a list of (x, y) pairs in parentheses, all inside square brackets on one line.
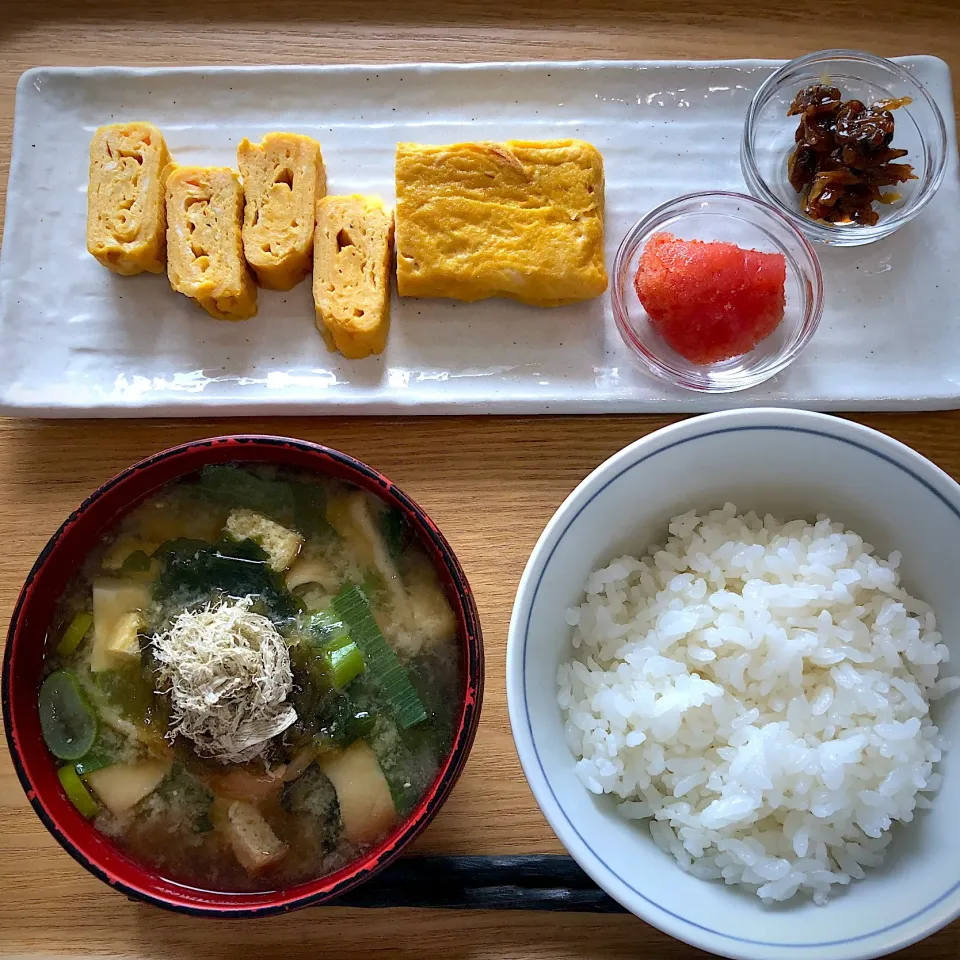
[(430, 610), (124, 642), (366, 805), (117, 606), (122, 786)]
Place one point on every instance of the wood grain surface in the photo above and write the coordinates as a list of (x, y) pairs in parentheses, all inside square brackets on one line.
[(491, 483)]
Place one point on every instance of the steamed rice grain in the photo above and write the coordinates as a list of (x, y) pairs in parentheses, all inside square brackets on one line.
[(757, 692)]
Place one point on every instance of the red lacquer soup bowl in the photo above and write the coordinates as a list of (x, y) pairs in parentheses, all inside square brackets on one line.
[(23, 659)]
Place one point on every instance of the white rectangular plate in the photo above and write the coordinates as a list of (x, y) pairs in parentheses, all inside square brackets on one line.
[(79, 341)]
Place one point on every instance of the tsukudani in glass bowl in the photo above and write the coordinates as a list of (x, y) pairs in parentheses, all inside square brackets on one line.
[(751, 224), (768, 138)]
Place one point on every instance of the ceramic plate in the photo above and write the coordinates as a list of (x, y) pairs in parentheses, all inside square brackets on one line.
[(79, 341)]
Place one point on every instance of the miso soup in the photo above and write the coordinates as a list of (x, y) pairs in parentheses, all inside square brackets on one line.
[(253, 678)]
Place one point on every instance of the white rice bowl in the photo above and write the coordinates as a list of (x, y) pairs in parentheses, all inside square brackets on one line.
[(758, 693)]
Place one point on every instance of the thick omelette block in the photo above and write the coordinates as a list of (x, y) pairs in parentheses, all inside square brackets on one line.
[(521, 219), (352, 253), (204, 249), (283, 177), (126, 223)]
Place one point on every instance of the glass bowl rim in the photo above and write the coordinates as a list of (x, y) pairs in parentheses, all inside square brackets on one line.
[(666, 371), (831, 232)]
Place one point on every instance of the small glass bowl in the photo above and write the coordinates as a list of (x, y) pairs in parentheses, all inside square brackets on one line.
[(749, 223), (768, 138)]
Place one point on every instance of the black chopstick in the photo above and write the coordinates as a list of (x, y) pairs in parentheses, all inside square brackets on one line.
[(523, 882)]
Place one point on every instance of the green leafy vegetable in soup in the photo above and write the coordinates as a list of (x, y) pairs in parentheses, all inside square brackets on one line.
[(252, 679)]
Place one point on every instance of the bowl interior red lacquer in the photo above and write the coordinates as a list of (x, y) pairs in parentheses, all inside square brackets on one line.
[(23, 660)]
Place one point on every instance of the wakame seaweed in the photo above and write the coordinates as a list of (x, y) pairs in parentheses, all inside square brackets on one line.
[(128, 688), (226, 483), (107, 749), (297, 503), (321, 627), (309, 504), (396, 531), (195, 571), (329, 715), (136, 562), (189, 793), (313, 795)]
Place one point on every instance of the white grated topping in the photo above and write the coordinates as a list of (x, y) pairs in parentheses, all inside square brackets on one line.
[(227, 672)]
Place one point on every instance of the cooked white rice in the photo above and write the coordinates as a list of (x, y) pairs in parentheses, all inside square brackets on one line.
[(758, 693)]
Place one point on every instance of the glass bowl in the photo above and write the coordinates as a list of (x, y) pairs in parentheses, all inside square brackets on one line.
[(768, 138), (749, 223)]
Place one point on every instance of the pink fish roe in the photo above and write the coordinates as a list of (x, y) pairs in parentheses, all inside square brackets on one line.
[(710, 300)]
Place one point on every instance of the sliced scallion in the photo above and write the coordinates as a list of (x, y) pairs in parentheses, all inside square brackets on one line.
[(93, 761), (74, 634), (68, 724), (344, 661), (351, 606), (76, 792)]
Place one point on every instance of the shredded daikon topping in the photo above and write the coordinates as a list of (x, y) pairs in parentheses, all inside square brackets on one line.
[(227, 672)]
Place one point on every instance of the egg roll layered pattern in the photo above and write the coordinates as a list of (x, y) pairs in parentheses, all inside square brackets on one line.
[(283, 177), (353, 251), (125, 210), (521, 219), (204, 248)]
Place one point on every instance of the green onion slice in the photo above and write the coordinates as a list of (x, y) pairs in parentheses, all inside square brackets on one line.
[(74, 634), (76, 792), (68, 724), (351, 606)]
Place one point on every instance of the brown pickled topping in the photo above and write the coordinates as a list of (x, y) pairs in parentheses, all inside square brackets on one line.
[(843, 155)]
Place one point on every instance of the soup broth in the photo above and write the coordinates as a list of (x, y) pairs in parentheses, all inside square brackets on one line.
[(253, 678)]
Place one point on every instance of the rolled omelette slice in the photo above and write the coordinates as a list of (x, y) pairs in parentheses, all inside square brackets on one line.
[(283, 177), (352, 254), (126, 221), (521, 219), (204, 248)]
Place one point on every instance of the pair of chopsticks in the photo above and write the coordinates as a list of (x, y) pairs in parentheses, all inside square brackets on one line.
[(523, 882)]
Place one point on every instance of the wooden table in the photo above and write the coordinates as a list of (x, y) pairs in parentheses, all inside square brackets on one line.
[(490, 483)]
